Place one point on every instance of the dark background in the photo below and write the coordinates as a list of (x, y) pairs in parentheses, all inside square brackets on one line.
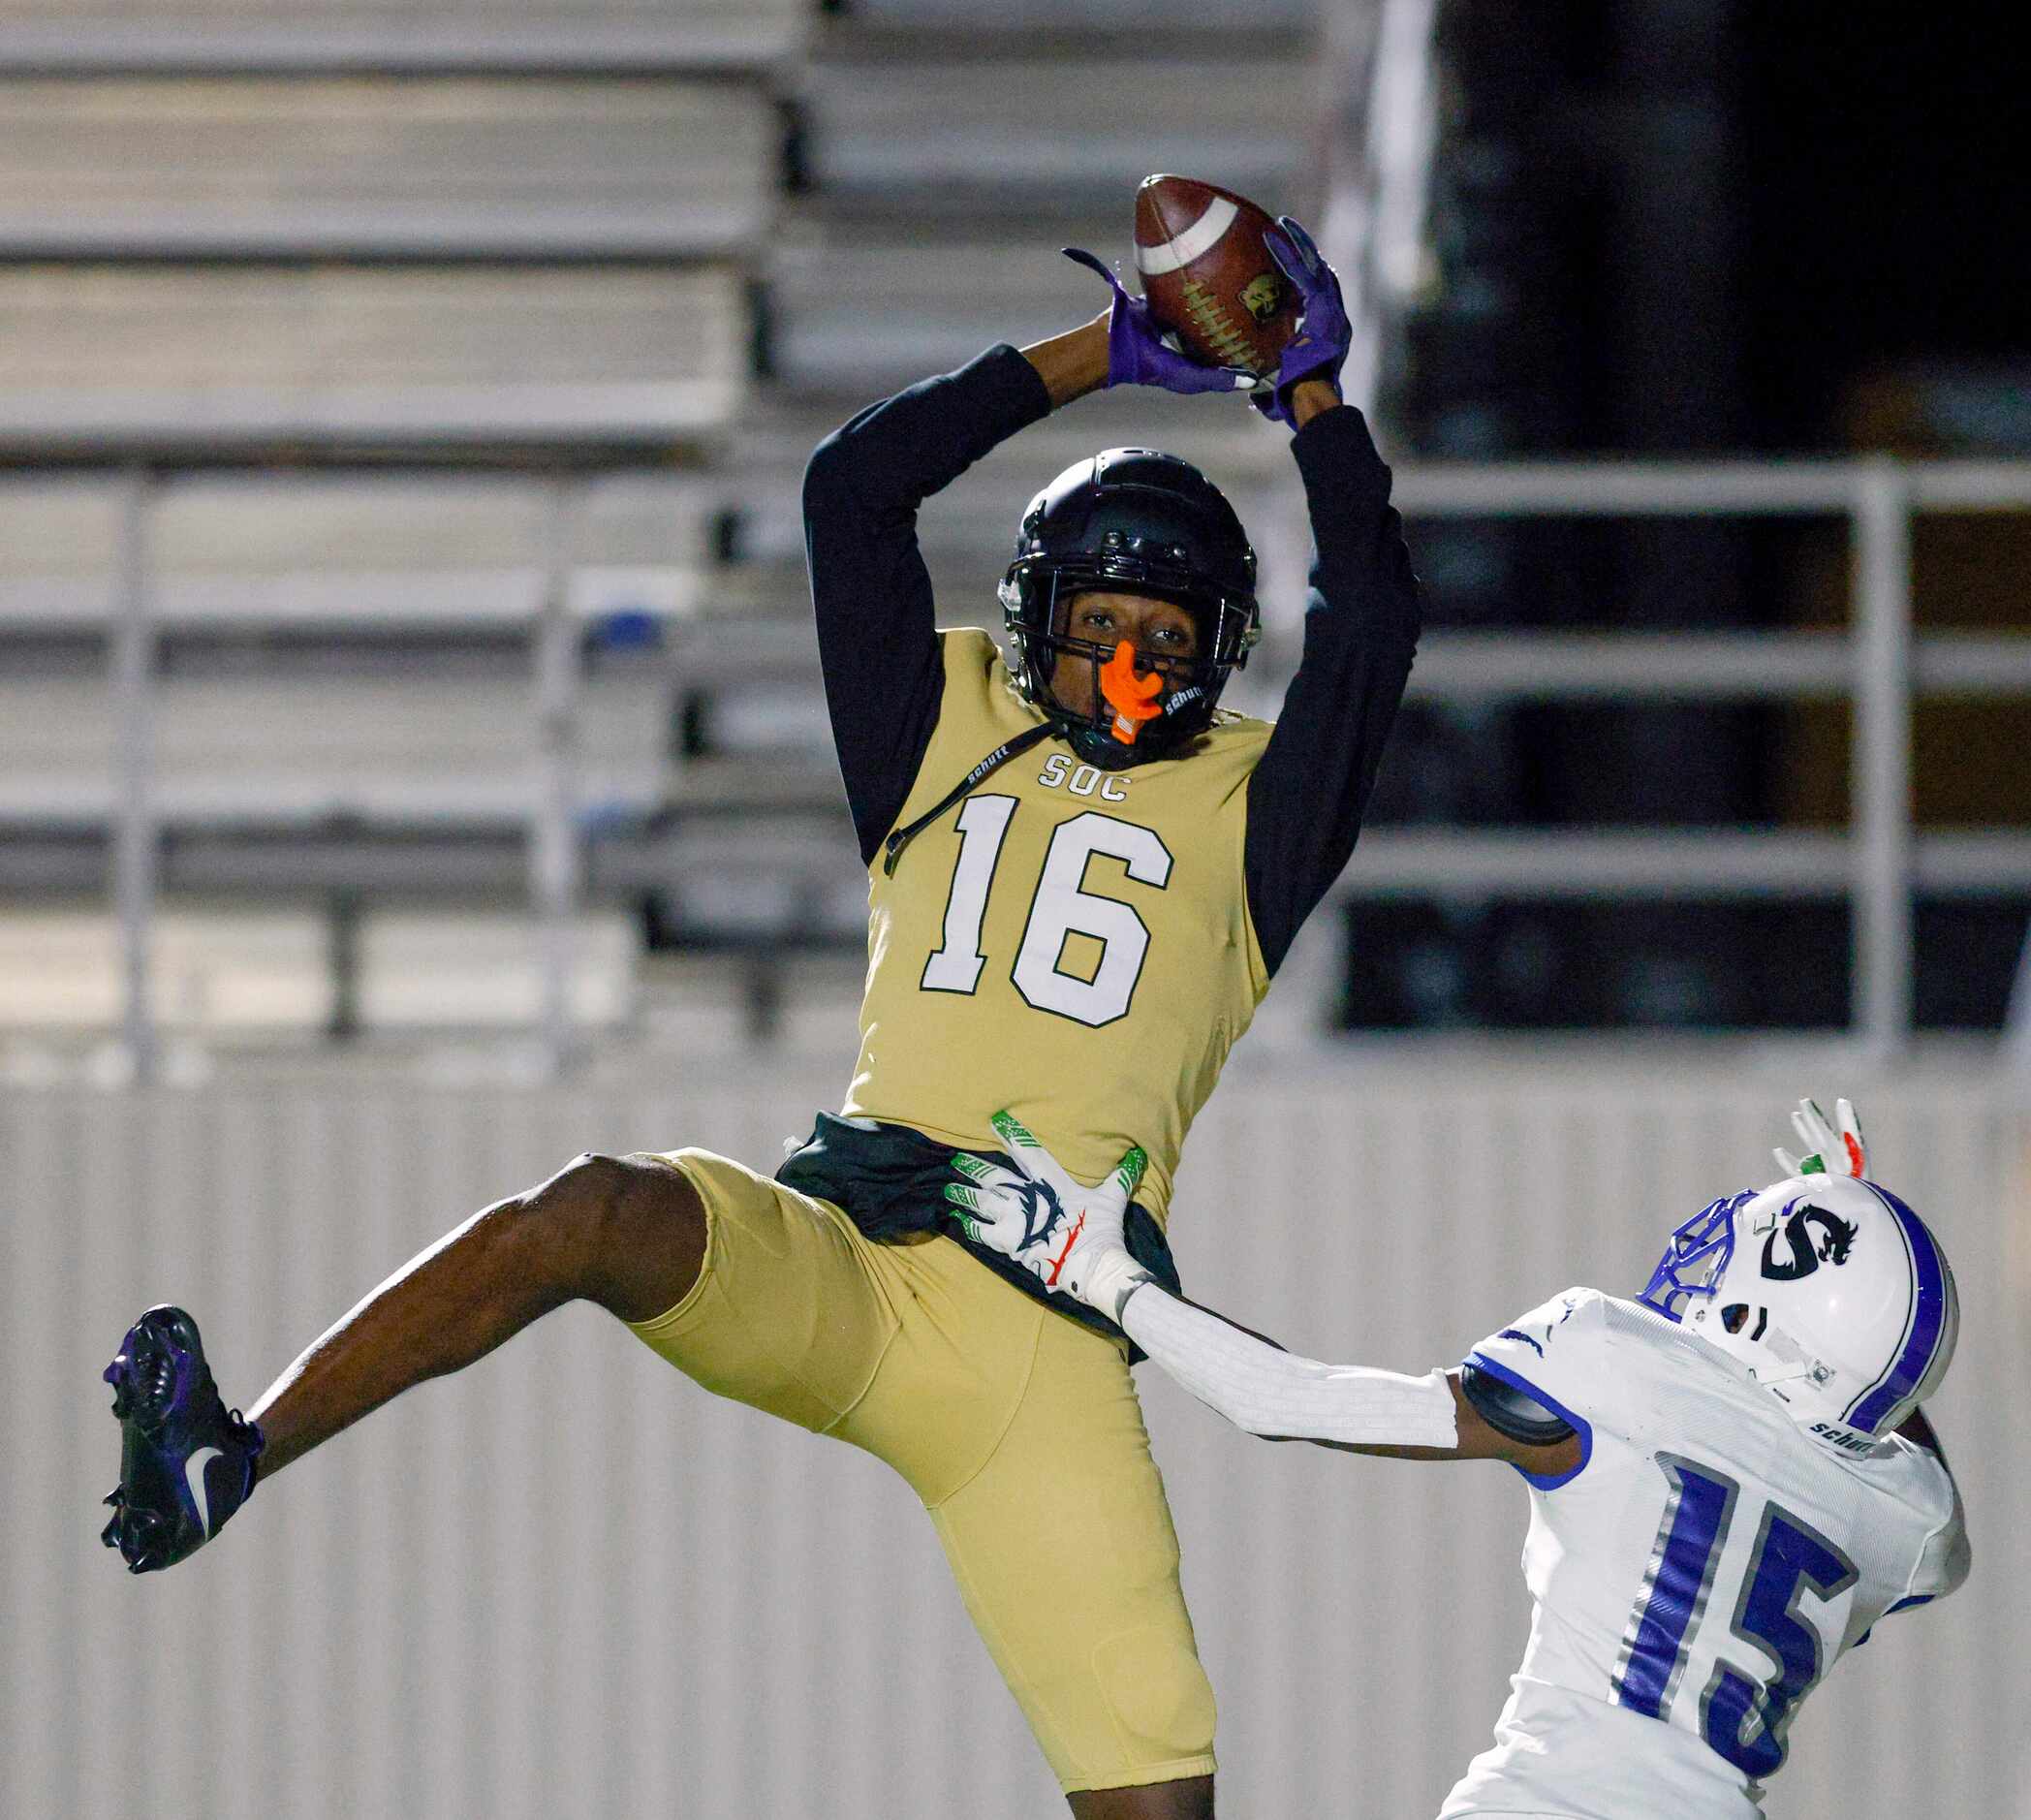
[(1704, 228)]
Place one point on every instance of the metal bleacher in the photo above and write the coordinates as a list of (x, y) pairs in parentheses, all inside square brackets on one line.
[(333, 645), (366, 380), (109, 363), (411, 400), (279, 167), (397, 36)]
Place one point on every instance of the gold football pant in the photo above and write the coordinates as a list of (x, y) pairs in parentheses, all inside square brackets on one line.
[(1011, 1423)]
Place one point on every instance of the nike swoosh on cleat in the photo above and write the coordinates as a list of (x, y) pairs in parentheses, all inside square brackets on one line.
[(194, 1477)]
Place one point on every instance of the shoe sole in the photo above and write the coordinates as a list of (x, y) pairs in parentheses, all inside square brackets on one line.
[(143, 1369)]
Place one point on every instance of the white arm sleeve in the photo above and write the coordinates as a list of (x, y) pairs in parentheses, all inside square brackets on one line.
[(1268, 1392)]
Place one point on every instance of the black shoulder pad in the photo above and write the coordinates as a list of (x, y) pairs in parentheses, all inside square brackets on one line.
[(1509, 1411)]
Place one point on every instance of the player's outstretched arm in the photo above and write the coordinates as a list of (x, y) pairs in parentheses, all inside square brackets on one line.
[(1070, 1237), (1073, 364), (1309, 792), (871, 594), (1358, 1409)]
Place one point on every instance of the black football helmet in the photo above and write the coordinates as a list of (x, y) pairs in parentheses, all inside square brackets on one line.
[(1133, 522)]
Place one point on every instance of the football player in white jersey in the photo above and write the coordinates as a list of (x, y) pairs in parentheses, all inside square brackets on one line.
[(1730, 1476)]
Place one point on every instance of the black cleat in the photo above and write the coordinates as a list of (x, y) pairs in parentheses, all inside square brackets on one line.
[(186, 1461)]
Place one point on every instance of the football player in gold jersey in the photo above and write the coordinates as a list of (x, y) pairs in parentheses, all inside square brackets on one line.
[(1082, 875)]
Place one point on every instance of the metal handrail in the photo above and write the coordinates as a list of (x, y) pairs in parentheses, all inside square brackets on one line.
[(1878, 663)]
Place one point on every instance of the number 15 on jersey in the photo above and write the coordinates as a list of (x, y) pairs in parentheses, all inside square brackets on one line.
[(1792, 1573)]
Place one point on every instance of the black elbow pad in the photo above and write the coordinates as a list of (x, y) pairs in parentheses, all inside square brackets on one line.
[(1509, 1411)]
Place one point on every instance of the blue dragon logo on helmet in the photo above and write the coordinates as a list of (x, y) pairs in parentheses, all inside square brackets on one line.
[(1802, 1257)]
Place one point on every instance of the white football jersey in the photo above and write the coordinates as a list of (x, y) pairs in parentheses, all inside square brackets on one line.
[(1695, 1576)]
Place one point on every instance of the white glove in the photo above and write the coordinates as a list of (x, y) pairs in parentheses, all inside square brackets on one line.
[(1828, 1152), (1069, 1238)]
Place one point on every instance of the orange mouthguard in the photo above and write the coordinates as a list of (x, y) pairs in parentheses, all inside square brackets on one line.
[(1130, 696)]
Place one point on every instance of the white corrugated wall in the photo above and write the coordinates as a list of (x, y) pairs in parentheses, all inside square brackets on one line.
[(570, 1584)]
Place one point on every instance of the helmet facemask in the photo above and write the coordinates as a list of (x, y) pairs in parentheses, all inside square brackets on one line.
[(1193, 683), (1695, 1256), (1131, 522)]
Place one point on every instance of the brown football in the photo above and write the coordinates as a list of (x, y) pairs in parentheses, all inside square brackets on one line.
[(1209, 275)]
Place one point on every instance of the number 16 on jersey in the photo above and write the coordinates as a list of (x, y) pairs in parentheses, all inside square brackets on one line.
[(1060, 907)]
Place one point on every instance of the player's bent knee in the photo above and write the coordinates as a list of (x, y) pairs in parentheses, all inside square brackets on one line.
[(1157, 1692), (634, 1229)]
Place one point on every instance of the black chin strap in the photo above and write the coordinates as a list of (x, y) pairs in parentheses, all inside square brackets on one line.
[(892, 847)]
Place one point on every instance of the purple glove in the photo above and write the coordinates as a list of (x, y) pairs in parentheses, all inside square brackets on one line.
[(1318, 348), (1138, 354)]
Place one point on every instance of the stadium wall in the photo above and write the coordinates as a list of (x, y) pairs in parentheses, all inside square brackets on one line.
[(569, 1584)]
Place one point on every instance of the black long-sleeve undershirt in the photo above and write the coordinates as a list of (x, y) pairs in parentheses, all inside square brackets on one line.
[(871, 593), (1311, 789), (877, 637)]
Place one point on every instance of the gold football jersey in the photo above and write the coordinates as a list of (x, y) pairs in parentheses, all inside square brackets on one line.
[(1070, 943)]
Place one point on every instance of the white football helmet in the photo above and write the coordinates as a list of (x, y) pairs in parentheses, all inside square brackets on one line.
[(1830, 1289)]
